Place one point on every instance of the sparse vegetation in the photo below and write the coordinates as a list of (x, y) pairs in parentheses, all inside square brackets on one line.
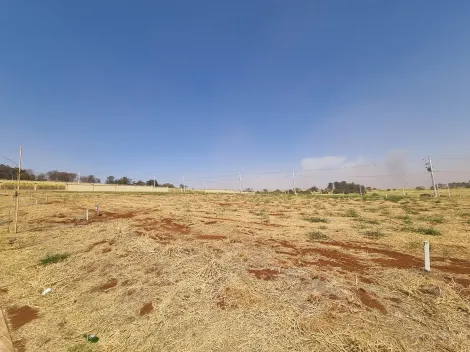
[(317, 236), (316, 219), (374, 234), (351, 213), (428, 231), (54, 258), (434, 219)]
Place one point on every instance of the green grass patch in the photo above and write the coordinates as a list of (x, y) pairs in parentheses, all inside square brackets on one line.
[(374, 234), (317, 236), (434, 219), (394, 198), (54, 258), (427, 231), (316, 219), (351, 213)]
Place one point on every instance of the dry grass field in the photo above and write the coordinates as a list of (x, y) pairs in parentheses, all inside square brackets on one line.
[(198, 272)]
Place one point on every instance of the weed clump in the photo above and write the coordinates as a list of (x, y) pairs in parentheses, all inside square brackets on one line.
[(317, 236), (54, 258)]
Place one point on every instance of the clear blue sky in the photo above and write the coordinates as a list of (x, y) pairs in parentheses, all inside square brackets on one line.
[(215, 87)]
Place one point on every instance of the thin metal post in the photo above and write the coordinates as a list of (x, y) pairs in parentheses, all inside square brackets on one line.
[(448, 190), (78, 177), (240, 179), (293, 181), (153, 181), (18, 192)]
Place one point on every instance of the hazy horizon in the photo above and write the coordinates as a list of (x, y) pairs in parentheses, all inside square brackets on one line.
[(201, 90)]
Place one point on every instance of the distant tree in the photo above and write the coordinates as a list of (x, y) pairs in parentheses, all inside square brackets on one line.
[(169, 185), (345, 187), (265, 190), (248, 190), (150, 183), (61, 176), (313, 189), (420, 188), (41, 177), (90, 179), (110, 180), (123, 181), (140, 183)]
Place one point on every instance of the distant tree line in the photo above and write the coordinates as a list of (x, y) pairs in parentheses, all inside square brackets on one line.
[(11, 173), (345, 187)]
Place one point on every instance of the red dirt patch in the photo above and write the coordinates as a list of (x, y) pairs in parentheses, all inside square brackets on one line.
[(20, 316), (369, 301), (146, 308), (265, 274), (106, 250), (3, 290), (211, 237), (169, 225), (106, 286)]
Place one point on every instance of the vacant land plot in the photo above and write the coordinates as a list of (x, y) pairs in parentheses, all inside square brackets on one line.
[(199, 272)]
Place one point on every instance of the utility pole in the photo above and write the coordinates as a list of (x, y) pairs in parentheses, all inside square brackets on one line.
[(448, 190), (183, 186), (78, 177), (431, 170), (18, 192), (293, 181), (240, 179), (153, 181)]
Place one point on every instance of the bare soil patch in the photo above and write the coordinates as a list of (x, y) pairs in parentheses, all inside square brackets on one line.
[(20, 316)]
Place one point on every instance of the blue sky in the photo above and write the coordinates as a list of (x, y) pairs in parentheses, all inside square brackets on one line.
[(215, 87)]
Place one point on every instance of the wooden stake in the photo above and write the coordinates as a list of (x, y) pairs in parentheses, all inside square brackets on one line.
[(427, 258), (86, 214)]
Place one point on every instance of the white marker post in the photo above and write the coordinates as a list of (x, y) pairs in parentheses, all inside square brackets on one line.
[(86, 214), (427, 258), (97, 209)]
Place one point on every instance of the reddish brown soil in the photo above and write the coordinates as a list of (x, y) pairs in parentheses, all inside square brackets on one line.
[(106, 286), (20, 316), (3, 290), (349, 262), (265, 274), (146, 308), (211, 237), (169, 225), (106, 250), (369, 301), (210, 222), (166, 224), (333, 296)]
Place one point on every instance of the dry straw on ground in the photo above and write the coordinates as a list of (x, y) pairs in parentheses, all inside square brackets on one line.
[(195, 272)]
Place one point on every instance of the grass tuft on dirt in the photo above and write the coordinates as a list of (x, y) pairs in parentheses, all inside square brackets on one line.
[(316, 219), (427, 231), (351, 213), (317, 236), (54, 258)]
